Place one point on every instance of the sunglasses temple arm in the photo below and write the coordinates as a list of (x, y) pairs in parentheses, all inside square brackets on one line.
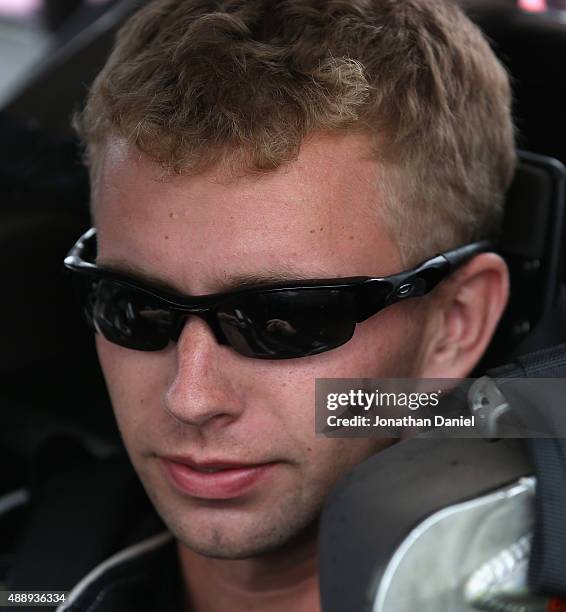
[(426, 277), (463, 254)]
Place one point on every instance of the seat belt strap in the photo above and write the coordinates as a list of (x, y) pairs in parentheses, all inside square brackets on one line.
[(547, 565)]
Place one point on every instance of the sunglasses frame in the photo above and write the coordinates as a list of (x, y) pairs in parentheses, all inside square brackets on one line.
[(371, 294)]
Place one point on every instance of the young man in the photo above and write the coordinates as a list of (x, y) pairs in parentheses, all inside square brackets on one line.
[(243, 144)]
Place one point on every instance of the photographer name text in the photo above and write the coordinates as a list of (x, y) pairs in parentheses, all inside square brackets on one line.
[(405, 421)]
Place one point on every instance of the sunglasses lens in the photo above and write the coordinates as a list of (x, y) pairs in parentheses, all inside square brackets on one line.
[(288, 323), (281, 324), (128, 317)]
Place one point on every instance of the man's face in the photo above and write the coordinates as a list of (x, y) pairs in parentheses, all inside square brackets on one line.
[(314, 218)]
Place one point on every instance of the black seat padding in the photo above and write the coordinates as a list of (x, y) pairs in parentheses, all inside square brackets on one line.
[(534, 247), (50, 381), (373, 508)]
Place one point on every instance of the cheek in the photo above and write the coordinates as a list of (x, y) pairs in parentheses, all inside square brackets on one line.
[(322, 461), (386, 345), (287, 391), (134, 379)]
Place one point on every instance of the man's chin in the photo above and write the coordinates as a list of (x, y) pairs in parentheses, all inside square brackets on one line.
[(228, 551), (250, 539), (233, 543)]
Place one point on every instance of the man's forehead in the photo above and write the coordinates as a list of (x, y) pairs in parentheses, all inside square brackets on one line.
[(315, 218)]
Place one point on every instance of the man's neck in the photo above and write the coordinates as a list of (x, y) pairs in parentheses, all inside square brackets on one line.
[(284, 581)]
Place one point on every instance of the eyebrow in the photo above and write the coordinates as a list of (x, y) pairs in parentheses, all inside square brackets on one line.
[(260, 279)]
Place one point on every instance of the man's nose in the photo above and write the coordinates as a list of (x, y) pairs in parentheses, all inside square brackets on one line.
[(202, 388)]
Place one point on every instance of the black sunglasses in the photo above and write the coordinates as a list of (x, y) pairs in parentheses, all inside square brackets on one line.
[(279, 321)]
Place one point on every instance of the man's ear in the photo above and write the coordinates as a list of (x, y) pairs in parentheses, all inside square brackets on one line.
[(463, 316)]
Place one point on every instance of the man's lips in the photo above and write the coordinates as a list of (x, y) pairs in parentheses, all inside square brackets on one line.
[(215, 479)]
